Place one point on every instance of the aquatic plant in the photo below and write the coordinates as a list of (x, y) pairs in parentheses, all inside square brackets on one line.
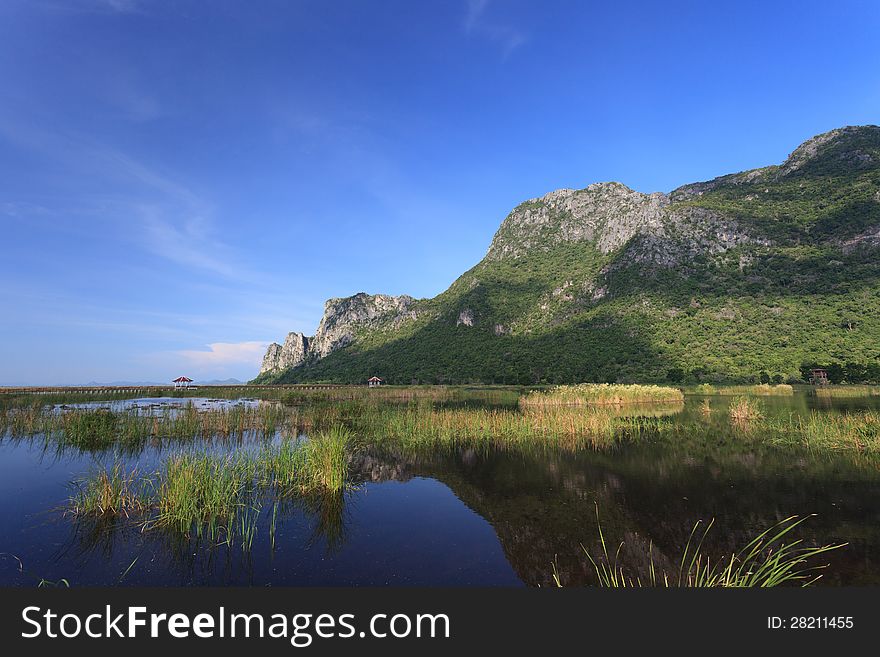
[(201, 488), (744, 411), (100, 428), (847, 391), (780, 389), (705, 408), (218, 495), (568, 427), (601, 393), (828, 431), (41, 582), (93, 428), (111, 491), (326, 459), (765, 561), (423, 423)]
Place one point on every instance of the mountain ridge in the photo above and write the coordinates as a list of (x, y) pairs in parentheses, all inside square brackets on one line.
[(607, 283)]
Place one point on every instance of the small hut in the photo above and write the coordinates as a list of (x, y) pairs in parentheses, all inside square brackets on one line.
[(374, 381), (819, 376), (182, 382)]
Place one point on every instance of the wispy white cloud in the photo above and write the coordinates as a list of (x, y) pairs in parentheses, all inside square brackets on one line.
[(170, 220), (22, 209), (187, 242), (93, 6), (130, 100), (474, 12), (245, 313), (122, 6), (477, 23), (225, 354)]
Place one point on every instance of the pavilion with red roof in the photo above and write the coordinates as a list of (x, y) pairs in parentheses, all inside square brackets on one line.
[(182, 382)]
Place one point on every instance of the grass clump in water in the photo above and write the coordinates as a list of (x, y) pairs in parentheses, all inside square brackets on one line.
[(705, 408), (601, 393), (765, 389), (318, 465), (847, 391), (845, 431), (326, 459), (112, 491), (90, 428), (765, 561), (101, 428), (567, 427), (219, 495), (744, 411), (780, 389), (197, 489)]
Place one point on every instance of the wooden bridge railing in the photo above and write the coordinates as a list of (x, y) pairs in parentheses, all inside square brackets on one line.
[(87, 390)]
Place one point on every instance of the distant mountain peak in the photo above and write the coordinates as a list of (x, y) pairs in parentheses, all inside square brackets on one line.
[(607, 214), (854, 146)]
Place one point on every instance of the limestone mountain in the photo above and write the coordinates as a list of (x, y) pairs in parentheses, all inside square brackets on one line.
[(749, 274), (343, 319)]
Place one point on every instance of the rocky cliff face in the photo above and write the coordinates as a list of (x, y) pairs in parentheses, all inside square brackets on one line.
[(851, 146), (342, 320), (580, 284), (291, 354), (606, 214), (642, 228)]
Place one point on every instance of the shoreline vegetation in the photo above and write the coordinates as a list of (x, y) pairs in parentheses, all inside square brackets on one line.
[(288, 394), (765, 561), (584, 393), (848, 391), (299, 450), (599, 394), (569, 417), (218, 496), (778, 389)]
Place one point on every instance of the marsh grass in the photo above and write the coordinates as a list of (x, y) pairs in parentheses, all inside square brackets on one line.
[(11, 398), (744, 412), (364, 393), (427, 424), (326, 460), (847, 391), (587, 394), (219, 496), (93, 428), (705, 408), (196, 491), (826, 431), (404, 394), (765, 561), (101, 428), (764, 389), (559, 426), (779, 389), (112, 491)]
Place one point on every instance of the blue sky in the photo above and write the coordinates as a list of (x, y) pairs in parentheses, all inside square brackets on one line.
[(183, 182)]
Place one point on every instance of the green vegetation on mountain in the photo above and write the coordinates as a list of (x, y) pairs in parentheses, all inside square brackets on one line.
[(751, 277)]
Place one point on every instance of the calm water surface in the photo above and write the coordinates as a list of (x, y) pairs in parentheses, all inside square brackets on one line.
[(462, 517)]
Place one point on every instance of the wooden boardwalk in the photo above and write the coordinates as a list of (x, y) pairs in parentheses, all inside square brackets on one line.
[(103, 390)]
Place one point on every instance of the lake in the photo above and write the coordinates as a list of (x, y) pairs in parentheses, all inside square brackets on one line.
[(461, 515)]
